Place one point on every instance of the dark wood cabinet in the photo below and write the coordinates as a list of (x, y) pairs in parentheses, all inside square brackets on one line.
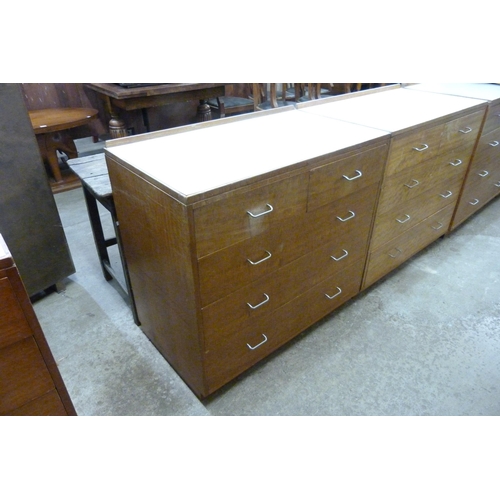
[(30, 382)]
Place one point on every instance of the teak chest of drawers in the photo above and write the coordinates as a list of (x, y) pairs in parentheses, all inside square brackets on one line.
[(240, 234), (30, 383), (482, 182), (432, 140)]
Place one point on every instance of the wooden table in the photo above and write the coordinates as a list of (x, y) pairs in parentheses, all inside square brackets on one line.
[(117, 98), (50, 127)]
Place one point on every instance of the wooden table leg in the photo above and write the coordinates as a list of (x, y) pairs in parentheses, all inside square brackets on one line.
[(204, 113)]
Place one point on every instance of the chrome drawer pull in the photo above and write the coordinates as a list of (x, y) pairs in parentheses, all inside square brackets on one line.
[(423, 148), (261, 304), (494, 143), (497, 185), (398, 251), (415, 184), (347, 218), (262, 213), (484, 173), (405, 220), (456, 163), (475, 201), (466, 131), (447, 195), (268, 256), (333, 296), (258, 345), (336, 259), (439, 226), (359, 174)]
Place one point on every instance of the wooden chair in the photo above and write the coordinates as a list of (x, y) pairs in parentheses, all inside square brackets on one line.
[(239, 101), (274, 95)]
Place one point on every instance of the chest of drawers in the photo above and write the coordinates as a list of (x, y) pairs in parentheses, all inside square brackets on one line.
[(482, 182), (432, 141), (30, 383), (240, 234)]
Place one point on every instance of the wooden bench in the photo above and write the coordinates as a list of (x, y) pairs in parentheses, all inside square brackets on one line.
[(93, 174)]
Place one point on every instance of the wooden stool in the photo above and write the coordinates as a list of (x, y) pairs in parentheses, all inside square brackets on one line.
[(50, 126), (93, 174)]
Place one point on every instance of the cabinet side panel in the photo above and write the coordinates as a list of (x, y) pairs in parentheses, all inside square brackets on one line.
[(157, 245)]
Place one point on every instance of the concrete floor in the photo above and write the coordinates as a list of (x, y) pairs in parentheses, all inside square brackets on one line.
[(423, 341)]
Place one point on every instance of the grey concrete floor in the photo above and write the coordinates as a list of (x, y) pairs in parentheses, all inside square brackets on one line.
[(424, 340)]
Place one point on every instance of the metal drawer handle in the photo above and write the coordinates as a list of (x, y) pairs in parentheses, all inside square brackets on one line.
[(447, 195), (261, 304), (359, 174), (258, 345), (262, 213), (456, 163), (405, 220), (415, 184), (423, 148), (347, 218), (268, 256), (497, 185), (398, 251), (333, 296), (484, 173), (439, 226), (466, 131), (475, 201), (336, 259), (494, 143)]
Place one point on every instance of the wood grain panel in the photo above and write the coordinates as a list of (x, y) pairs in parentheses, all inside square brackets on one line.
[(462, 132), (492, 120), (49, 404)]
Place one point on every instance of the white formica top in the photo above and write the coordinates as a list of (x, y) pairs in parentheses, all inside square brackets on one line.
[(395, 110), (208, 158), (485, 91)]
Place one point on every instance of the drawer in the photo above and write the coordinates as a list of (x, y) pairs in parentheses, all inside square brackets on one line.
[(477, 192), (343, 177), (13, 325), (462, 132), (410, 149), (488, 151), (23, 375), (269, 293), (410, 183), (230, 353), (403, 217), (245, 213), (393, 253), (228, 269), (492, 119)]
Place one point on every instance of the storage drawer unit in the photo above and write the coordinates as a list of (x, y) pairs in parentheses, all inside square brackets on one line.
[(482, 182), (241, 233), (432, 140), (30, 383)]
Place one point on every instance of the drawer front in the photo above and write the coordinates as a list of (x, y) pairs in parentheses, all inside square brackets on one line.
[(271, 292), (234, 267), (477, 192), (410, 183), (246, 213), (14, 325), (492, 119), (229, 354), (400, 219), (343, 177), (409, 150), (462, 132), (23, 375), (488, 151), (395, 252)]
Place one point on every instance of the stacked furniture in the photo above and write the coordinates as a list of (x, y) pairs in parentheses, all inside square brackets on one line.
[(483, 178), (232, 251), (30, 383), (432, 141)]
